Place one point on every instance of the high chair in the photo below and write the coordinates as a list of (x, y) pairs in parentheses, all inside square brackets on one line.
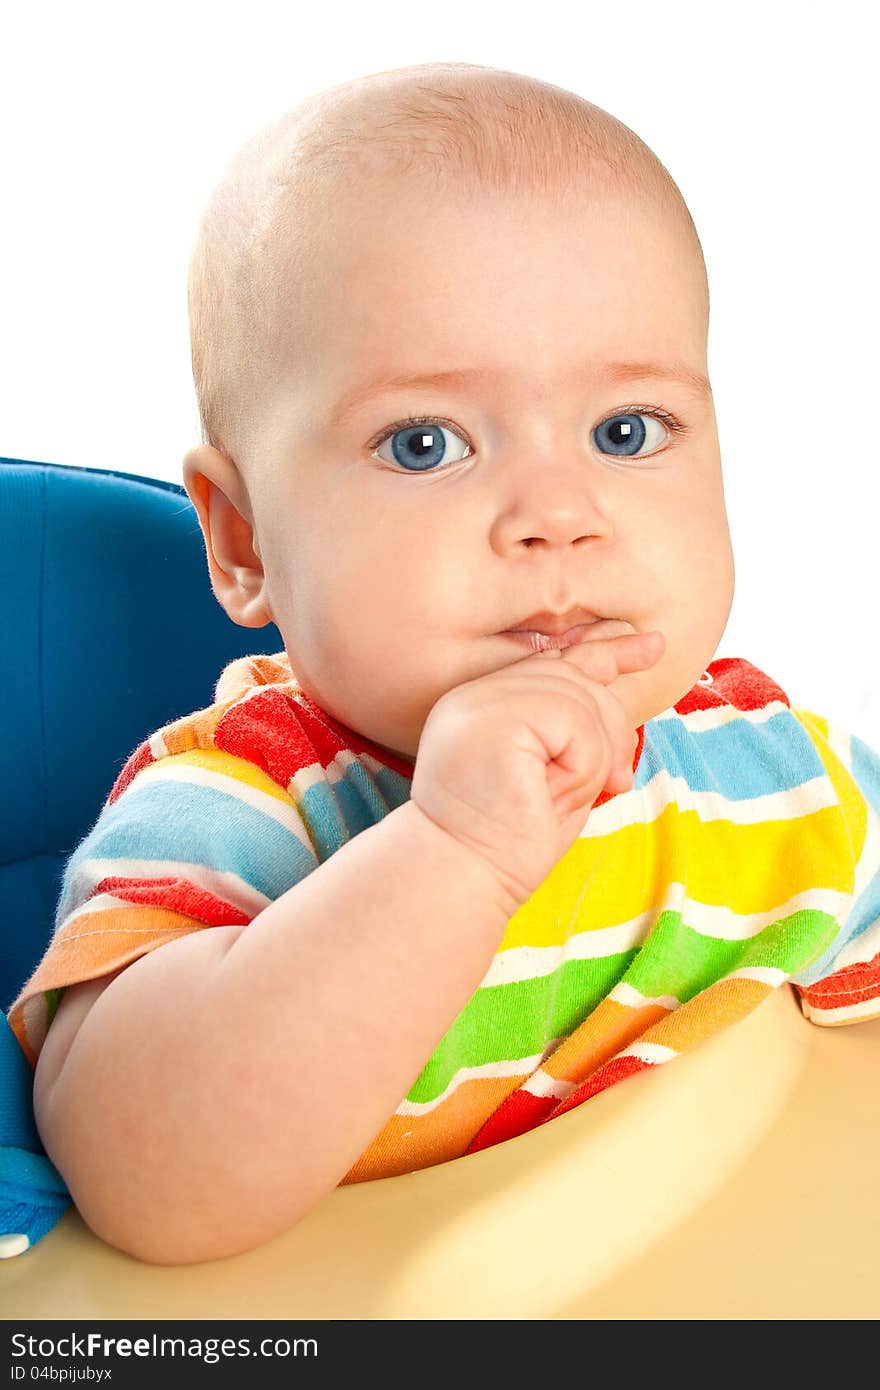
[(739, 1181)]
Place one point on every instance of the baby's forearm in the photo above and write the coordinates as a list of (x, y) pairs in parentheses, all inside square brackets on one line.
[(223, 1084)]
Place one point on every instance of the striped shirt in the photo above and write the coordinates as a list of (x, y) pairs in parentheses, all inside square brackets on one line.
[(746, 854)]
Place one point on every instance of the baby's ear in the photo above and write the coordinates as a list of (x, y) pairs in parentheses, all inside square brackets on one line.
[(215, 488)]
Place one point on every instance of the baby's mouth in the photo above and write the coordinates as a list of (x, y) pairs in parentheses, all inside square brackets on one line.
[(536, 641)]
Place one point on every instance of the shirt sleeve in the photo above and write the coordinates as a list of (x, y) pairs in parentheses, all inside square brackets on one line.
[(196, 839), (843, 985)]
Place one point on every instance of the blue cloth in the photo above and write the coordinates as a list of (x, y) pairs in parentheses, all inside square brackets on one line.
[(33, 1194)]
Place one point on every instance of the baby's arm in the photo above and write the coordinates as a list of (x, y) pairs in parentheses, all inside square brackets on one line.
[(207, 1096)]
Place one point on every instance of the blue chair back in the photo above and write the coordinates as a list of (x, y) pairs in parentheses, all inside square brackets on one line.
[(110, 629)]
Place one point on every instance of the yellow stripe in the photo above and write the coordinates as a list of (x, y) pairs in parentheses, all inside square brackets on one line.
[(228, 765), (748, 868), (852, 801)]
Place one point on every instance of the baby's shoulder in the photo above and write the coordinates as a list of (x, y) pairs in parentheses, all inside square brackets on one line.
[(258, 714)]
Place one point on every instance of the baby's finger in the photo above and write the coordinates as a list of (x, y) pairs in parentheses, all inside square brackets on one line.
[(603, 659)]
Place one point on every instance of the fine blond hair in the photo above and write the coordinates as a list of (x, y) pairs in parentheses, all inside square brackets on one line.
[(257, 246)]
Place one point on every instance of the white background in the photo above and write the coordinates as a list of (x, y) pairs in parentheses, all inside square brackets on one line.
[(117, 121)]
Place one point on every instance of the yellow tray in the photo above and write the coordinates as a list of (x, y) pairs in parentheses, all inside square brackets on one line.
[(740, 1181)]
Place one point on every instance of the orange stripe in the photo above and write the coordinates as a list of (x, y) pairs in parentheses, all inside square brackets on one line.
[(194, 731), (707, 1013), (409, 1142), (86, 950), (89, 947), (609, 1028)]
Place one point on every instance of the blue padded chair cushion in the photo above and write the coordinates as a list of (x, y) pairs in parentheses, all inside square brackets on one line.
[(110, 630)]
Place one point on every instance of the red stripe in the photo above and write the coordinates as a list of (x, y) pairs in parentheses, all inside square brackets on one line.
[(523, 1111), (516, 1115), (282, 734), (327, 732), (177, 895), (851, 985), (265, 730), (136, 762), (618, 1069)]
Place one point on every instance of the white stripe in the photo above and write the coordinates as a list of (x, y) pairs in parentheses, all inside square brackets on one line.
[(868, 1008), (335, 772), (666, 789), (626, 809), (699, 720), (374, 767), (861, 949), (839, 742), (282, 812), (722, 924), (238, 696), (655, 1053), (869, 860), (624, 993), (710, 920), (304, 779), (158, 746), (764, 974), (540, 1084), (865, 946), (519, 963), (338, 767), (516, 1067)]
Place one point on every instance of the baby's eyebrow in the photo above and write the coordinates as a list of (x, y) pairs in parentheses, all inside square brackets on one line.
[(616, 373)]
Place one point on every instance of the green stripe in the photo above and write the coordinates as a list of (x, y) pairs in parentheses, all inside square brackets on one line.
[(677, 959), (504, 1022)]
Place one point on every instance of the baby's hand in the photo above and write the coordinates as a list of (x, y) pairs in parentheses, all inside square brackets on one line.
[(511, 763)]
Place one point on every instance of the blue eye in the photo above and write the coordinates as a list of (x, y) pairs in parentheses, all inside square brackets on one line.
[(624, 434), (419, 445)]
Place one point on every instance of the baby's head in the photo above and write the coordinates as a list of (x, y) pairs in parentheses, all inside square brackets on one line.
[(528, 251)]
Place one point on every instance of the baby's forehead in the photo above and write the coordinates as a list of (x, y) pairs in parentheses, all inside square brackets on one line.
[(260, 253)]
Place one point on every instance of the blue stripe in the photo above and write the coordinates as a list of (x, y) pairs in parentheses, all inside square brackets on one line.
[(334, 813), (187, 822), (866, 771), (332, 816), (394, 786), (865, 910), (738, 760), (863, 914)]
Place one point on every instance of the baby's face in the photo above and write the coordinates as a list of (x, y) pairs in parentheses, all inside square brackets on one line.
[(396, 555)]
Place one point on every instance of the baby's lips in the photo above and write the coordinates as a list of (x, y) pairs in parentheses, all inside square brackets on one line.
[(606, 627)]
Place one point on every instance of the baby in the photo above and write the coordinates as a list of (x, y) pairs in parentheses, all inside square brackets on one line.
[(494, 831)]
